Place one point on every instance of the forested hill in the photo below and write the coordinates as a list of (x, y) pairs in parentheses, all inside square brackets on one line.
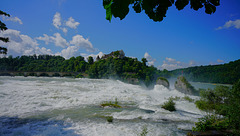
[(114, 65), (228, 73)]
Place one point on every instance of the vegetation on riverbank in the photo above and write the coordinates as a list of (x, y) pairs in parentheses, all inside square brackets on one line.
[(223, 107), (117, 66), (114, 65)]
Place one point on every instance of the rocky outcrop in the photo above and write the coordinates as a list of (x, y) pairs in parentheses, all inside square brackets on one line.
[(184, 86), (115, 54), (162, 81)]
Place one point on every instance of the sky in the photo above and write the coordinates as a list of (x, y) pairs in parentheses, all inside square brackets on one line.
[(78, 27)]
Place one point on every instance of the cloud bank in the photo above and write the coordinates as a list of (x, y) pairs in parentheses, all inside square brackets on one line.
[(22, 44), (72, 23), (230, 23), (14, 19), (171, 64)]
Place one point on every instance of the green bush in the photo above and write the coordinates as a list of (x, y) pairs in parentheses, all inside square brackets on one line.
[(169, 105), (111, 104), (224, 101), (211, 122), (109, 119), (214, 101), (176, 98)]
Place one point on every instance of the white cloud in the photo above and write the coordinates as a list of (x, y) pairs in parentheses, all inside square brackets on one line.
[(171, 64), (57, 39), (100, 54), (64, 30), (80, 42), (230, 23), (14, 19), (149, 58), (77, 43), (45, 38), (72, 23), (57, 20), (70, 51), (22, 44)]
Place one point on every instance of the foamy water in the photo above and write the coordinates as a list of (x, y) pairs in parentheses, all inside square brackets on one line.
[(65, 106)]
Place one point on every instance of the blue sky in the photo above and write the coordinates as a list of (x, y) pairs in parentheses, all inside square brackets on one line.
[(78, 27)]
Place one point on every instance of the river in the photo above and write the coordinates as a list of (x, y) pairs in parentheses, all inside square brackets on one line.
[(45, 106)]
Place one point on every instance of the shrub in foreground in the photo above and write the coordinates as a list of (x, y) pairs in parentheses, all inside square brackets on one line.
[(211, 122), (111, 104), (169, 105), (109, 119)]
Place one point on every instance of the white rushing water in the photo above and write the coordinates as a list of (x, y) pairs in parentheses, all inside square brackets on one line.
[(64, 106)]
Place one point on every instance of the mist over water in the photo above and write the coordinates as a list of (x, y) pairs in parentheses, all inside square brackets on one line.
[(66, 106)]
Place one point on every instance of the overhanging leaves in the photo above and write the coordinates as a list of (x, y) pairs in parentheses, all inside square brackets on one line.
[(155, 9), (180, 4)]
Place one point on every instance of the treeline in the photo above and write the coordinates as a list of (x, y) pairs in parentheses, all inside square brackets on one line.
[(111, 67), (43, 63), (228, 73), (123, 68)]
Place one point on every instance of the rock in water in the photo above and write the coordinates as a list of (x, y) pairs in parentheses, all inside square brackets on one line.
[(162, 81), (184, 86)]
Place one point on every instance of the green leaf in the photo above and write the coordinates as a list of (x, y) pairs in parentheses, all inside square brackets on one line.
[(137, 6), (180, 4), (215, 2), (120, 8), (4, 13), (107, 6), (109, 14), (209, 8), (196, 4)]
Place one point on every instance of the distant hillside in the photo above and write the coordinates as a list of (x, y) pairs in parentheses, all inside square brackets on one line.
[(228, 73)]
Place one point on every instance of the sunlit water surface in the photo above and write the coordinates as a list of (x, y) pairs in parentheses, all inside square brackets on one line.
[(65, 106)]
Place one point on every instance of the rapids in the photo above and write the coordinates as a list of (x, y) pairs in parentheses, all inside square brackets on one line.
[(43, 106)]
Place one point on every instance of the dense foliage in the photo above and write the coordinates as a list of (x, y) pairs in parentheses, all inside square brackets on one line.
[(3, 27), (112, 67), (124, 69), (155, 9), (220, 101), (226, 73), (169, 105)]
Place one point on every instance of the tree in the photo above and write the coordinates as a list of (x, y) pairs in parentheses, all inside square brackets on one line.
[(155, 9), (3, 27), (90, 60), (144, 60)]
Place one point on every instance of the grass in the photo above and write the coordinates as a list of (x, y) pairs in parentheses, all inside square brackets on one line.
[(176, 98), (144, 131), (187, 98), (111, 104), (169, 105)]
